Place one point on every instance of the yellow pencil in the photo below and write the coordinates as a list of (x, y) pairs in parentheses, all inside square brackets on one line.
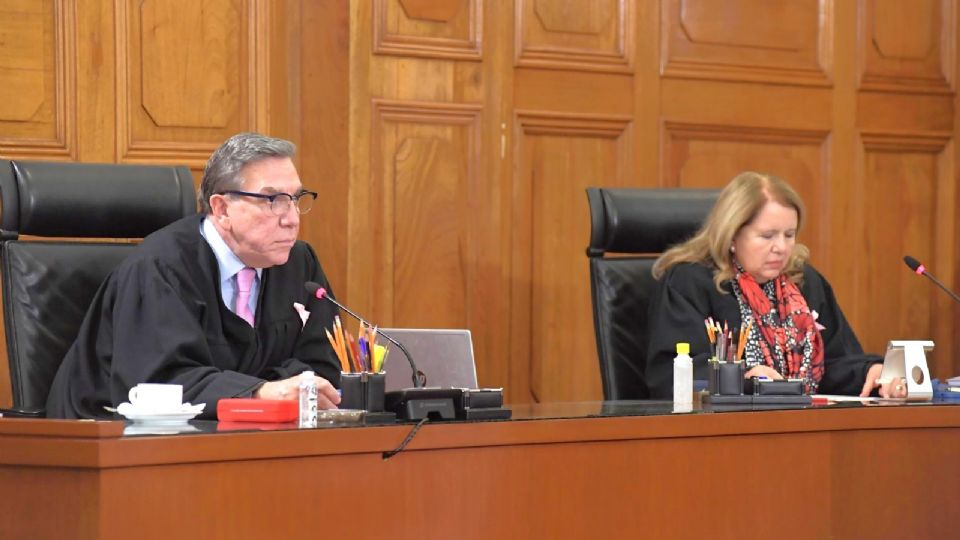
[(383, 361), (379, 351)]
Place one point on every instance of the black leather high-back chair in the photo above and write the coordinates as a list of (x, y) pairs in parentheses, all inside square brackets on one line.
[(629, 229), (49, 284)]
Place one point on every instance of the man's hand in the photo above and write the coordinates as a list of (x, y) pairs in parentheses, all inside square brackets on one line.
[(327, 395)]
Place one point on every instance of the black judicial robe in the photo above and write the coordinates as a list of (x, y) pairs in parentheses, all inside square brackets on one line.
[(159, 317), (686, 295)]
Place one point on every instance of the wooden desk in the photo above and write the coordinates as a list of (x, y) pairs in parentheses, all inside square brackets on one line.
[(881, 472)]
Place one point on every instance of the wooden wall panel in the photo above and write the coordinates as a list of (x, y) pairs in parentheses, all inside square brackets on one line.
[(450, 29), (37, 79), (422, 214), (155, 81), (911, 201), (429, 257), (427, 243), (567, 34), (188, 77), (908, 45), (785, 41), (321, 97), (906, 117), (558, 157), (709, 156)]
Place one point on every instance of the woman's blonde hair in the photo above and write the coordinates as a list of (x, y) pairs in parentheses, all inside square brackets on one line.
[(738, 204)]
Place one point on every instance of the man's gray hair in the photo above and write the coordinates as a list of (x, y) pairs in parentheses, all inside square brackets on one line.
[(223, 168)]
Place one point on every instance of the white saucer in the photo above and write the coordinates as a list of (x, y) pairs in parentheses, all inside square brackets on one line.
[(149, 428), (154, 417)]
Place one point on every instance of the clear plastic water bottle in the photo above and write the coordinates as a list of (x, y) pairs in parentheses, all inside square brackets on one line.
[(683, 376), (308, 400)]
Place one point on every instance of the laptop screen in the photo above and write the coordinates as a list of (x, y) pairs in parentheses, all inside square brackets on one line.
[(445, 356)]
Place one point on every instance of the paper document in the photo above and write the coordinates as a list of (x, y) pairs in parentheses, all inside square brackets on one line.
[(838, 399)]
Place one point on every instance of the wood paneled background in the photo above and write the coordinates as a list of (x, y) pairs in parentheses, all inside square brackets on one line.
[(452, 141)]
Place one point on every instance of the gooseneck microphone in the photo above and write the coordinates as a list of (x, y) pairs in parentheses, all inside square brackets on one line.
[(921, 270), (321, 293)]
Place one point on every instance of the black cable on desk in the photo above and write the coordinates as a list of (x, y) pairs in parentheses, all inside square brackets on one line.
[(389, 454)]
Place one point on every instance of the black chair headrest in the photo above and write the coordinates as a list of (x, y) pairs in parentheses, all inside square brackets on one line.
[(632, 220), (87, 200)]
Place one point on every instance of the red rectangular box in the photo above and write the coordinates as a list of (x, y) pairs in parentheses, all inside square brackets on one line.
[(257, 410)]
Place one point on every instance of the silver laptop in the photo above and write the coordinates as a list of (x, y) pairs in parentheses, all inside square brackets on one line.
[(445, 356)]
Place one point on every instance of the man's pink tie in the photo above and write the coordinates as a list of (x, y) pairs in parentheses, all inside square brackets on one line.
[(245, 279)]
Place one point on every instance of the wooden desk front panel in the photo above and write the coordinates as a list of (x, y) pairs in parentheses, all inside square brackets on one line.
[(809, 474)]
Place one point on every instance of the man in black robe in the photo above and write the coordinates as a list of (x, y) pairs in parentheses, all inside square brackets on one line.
[(169, 312)]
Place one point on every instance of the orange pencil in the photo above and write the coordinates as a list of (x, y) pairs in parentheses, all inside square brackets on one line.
[(338, 335), (355, 354), (744, 334), (333, 342)]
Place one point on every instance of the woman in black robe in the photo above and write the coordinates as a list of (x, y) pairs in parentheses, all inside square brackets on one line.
[(745, 270)]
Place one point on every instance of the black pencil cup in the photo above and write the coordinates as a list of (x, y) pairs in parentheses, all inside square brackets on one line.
[(374, 390), (729, 378), (713, 382), (351, 391), (362, 391)]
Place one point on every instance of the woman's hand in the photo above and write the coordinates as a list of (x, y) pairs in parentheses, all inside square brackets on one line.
[(327, 395), (896, 388), (762, 371)]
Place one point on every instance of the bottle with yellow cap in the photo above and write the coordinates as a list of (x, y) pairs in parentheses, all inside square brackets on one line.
[(683, 375)]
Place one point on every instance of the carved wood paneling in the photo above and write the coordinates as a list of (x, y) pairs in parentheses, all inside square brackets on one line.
[(557, 157), (425, 241), (37, 79), (570, 34), (779, 41), (189, 76), (452, 29), (908, 45), (910, 201), (708, 156)]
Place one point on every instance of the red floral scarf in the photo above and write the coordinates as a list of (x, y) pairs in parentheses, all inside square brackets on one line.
[(789, 327)]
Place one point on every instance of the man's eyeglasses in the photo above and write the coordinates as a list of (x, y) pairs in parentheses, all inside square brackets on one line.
[(280, 202)]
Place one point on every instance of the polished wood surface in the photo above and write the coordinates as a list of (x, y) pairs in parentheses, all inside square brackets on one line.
[(451, 140), (883, 472)]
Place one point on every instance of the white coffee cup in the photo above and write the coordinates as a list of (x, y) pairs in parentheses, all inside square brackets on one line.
[(156, 397)]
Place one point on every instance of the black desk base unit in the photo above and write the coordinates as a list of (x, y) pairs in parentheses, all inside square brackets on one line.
[(447, 404)]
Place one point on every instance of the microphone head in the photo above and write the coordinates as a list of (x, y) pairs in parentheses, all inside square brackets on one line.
[(914, 264), (315, 289)]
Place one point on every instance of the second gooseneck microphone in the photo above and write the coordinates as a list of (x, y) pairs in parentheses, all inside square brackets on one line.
[(921, 270), (321, 293)]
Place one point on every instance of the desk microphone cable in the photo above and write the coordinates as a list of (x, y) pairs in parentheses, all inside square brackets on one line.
[(390, 453)]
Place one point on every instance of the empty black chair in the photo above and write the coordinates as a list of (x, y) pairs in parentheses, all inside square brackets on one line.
[(634, 226), (48, 284)]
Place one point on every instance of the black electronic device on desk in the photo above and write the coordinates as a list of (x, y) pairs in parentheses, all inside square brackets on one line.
[(419, 402), (727, 387), (448, 403), (445, 361)]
